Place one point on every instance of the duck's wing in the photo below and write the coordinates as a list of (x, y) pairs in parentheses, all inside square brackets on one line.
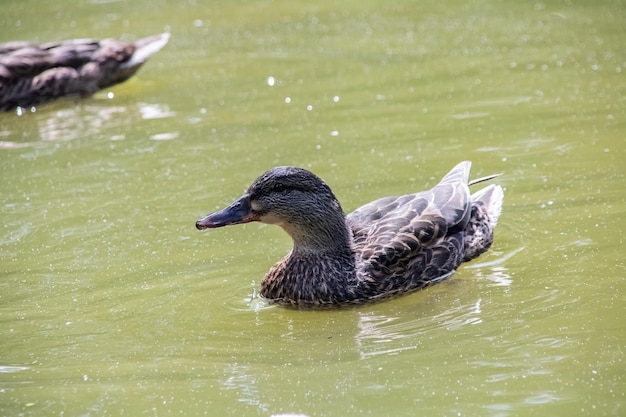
[(34, 74), (390, 232), (19, 60), (26, 59)]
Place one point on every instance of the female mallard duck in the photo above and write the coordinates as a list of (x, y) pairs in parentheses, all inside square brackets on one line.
[(32, 74), (388, 247)]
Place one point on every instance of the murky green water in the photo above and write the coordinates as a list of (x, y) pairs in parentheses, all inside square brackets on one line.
[(112, 303)]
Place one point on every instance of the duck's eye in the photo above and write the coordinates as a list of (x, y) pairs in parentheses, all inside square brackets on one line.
[(279, 187)]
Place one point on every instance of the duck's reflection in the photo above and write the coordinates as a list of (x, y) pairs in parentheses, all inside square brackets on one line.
[(72, 122), (333, 341), (384, 334)]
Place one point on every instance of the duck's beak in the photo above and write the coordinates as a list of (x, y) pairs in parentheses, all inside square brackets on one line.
[(238, 212)]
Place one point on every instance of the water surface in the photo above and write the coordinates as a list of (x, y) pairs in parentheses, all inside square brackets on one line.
[(112, 303)]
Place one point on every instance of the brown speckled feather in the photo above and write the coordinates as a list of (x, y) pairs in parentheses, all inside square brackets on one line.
[(396, 237)]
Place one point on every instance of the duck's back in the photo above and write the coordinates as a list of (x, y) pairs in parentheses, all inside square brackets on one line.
[(27, 60)]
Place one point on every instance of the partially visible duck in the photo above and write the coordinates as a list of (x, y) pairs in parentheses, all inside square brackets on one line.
[(391, 246), (32, 74)]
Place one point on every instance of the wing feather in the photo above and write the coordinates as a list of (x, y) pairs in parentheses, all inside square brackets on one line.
[(395, 233)]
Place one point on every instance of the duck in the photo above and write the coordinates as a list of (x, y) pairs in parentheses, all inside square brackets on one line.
[(391, 246), (33, 74)]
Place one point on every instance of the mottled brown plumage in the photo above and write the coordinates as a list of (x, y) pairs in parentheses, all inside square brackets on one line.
[(388, 247), (33, 74)]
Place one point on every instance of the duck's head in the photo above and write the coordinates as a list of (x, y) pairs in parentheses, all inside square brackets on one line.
[(293, 198)]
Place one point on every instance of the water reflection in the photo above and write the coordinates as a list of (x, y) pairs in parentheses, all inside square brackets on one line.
[(498, 273), (241, 380), (9, 369), (377, 333), (388, 335), (86, 118)]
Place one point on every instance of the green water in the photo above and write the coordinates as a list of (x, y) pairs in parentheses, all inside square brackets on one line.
[(111, 303)]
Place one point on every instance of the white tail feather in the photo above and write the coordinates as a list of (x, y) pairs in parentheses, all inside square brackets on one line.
[(492, 197)]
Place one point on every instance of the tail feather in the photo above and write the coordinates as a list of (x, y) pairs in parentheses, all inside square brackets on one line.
[(481, 179), (486, 210), (146, 47), (491, 198)]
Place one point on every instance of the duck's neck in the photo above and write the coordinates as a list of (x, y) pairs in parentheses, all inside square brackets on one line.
[(323, 234), (320, 269)]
